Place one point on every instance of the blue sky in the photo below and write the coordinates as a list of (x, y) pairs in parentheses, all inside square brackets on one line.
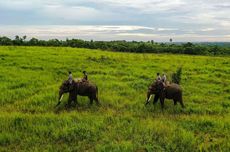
[(159, 20)]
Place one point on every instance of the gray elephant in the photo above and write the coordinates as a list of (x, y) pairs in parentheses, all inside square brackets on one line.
[(82, 88), (170, 91)]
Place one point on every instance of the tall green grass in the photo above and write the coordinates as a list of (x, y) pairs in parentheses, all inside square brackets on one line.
[(30, 78)]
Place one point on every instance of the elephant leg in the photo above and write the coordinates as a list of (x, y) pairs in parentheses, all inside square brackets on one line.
[(75, 101), (181, 103), (69, 102), (162, 103), (156, 97), (91, 100), (72, 97), (95, 98), (175, 102), (97, 101)]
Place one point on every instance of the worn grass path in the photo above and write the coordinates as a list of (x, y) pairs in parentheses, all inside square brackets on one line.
[(29, 82)]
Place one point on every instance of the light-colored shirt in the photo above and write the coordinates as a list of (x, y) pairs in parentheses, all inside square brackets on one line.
[(158, 78), (85, 77), (70, 78), (164, 78)]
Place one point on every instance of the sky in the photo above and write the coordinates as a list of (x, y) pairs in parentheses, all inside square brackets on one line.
[(141, 20)]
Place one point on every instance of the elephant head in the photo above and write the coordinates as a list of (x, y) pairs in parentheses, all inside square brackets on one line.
[(64, 88), (156, 88)]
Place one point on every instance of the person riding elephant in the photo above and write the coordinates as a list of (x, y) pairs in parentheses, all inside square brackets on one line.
[(171, 91), (70, 78), (85, 77), (78, 88), (158, 78), (164, 79)]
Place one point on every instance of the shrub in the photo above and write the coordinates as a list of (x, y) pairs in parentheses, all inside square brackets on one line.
[(176, 77)]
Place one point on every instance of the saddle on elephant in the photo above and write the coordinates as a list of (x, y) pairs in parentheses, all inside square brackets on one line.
[(81, 80), (163, 85)]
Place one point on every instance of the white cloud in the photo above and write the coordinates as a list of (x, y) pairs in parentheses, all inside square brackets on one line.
[(72, 31), (20, 5), (225, 23), (139, 17), (70, 13), (145, 5), (145, 35), (167, 29), (106, 32), (207, 29)]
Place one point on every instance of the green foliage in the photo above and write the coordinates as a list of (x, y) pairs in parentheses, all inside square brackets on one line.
[(176, 77), (126, 46), (30, 78)]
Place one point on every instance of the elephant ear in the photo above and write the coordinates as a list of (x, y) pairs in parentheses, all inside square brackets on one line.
[(152, 88), (67, 84)]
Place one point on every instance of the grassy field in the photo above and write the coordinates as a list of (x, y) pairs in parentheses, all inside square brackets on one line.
[(30, 78)]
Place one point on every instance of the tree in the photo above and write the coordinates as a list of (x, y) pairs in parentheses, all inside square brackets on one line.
[(54, 42), (33, 41), (5, 41), (17, 40), (188, 44), (176, 77), (24, 37), (124, 46), (215, 50), (17, 37)]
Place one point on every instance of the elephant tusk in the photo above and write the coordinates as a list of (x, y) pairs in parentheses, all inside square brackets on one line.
[(150, 98), (61, 98)]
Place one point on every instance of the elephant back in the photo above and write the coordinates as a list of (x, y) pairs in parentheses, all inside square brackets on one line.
[(85, 87), (173, 88)]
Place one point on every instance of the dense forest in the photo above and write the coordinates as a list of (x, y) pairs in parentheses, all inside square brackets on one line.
[(125, 46)]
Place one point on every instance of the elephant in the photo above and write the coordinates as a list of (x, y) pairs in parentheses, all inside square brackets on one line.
[(169, 91), (82, 88)]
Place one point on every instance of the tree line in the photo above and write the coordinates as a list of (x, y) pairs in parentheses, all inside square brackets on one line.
[(123, 46)]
